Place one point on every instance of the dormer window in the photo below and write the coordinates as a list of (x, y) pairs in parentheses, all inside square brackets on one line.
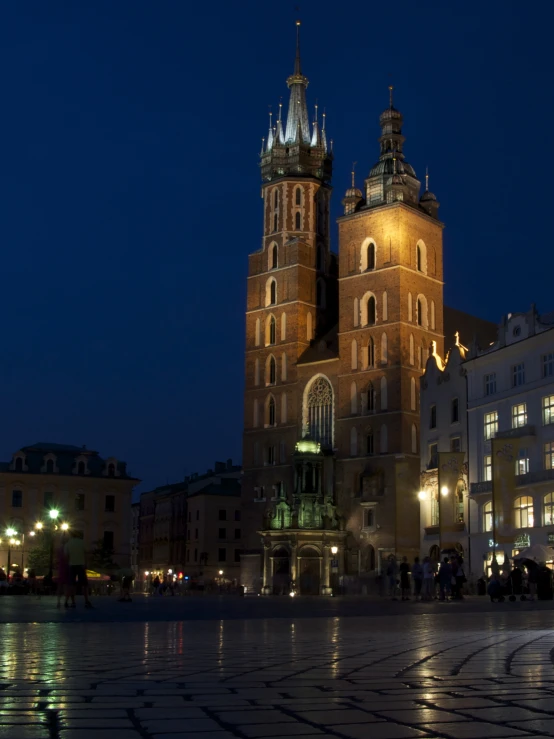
[(81, 468), (111, 470), (50, 466), (19, 464)]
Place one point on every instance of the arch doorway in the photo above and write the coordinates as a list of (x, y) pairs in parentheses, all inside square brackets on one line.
[(309, 567), (281, 572)]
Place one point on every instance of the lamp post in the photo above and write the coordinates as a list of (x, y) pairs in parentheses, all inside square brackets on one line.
[(10, 533), (53, 515)]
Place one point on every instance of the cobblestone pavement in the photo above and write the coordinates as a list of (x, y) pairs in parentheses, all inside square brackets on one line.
[(457, 675)]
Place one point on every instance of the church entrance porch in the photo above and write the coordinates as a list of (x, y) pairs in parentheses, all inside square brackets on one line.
[(309, 566), (281, 572)]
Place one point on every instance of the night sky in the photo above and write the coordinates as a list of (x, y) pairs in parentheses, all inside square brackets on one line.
[(130, 192)]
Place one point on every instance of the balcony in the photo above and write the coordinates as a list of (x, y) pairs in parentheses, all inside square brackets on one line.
[(533, 477)]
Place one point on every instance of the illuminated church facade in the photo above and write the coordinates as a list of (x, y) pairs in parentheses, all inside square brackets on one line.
[(335, 347)]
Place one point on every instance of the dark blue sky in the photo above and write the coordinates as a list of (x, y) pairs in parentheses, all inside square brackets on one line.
[(130, 192)]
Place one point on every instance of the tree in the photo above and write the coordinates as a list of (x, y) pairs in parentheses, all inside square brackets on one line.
[(101, 557), (38, 558)]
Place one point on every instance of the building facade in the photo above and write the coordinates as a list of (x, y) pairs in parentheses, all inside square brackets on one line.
[(335, 347), (135, 523), (90, 494)]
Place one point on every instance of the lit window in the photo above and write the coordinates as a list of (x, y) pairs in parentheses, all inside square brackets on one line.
[(490, 384), (518, 374), (548, 410), (523, 512), (548, 364), (433, 417), (522, 462), (487, 467), (549, 509), (549, 455), (455, 410), (319, 411), (491, 424), (433, 456), (519, 415), (487, 516)]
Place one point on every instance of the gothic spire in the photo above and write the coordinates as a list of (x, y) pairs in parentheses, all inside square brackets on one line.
[(270, 132), (298, 127)]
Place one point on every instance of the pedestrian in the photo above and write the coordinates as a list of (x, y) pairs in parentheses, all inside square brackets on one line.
[(404, 579), (125, 576), (428, 579), (156, 585), (392, 575), (494, 588), (516, 576), (445, 578), (417, 577), (75, 550), (63, 583)]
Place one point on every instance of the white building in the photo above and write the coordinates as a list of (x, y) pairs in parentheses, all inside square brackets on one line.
[(510, 388)]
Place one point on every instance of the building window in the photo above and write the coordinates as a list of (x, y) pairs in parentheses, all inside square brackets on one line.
[(384, 349), (271, 455), (384, 393), (270, 371), (433, 457), (421, 257), (421, 311), (412, 352), (487, 467), (271, 292), (548, 364), (222, 555), (319, 411), (371, 353), (237, 555), (49, 466), (456, 444), (548, 509), (518, 374), (110, 504), (270, 411), (80, 502), (455, 410), (198, 515), (523, 512), (519, 415), (237, 515), (108, 540), (222, 534), (354, 355), (369, 443), (270, 331), (17, 499), (490, 384), (487, 516), (370, 398), (81, 468), (369, 518), (222, 515), (273, 254), (491, 424), (196, 533), (237, 533), (433, 417), (297, 221), (522, 462), (548, 410), (298, 196), (371, 256), (549, 455), (257, 333), (368, 310), (48, 499)]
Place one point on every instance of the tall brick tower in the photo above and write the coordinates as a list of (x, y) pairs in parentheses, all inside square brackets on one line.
[(390, 311), (291, 300)]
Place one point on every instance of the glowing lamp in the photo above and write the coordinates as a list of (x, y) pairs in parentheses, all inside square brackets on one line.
[(32, 533), (170, 572), (422, 495), (146, 573), (65, 526), (54, 514), (220, 572), (334, 550), (11, 532), (292, 593), (444, 490), (39, 525)]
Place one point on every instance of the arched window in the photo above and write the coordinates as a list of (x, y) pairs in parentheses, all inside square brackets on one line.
[(257, 332), (50, 466), (384, 440), (284, 408), (385, 306), (384, 400), (318, 410), (367, 255), (276, 199), (370, 398), (81, 468), (368, 310), (19, 465), (320, 264), (320, 293), (275, 223), (548, 515), (283, 326), (257, 371), (421, 308), (487, 516), (414, 438), (297, 221), (273, 254), (353, 442), (270, 331), (412, 394), (412, 352), (523, 512), (270, 370), (298, 196), (270, 411), (432, 315), (371, 256), (354, 354), (309, 327), (111, 470), (369, 442), (421, 257), (356, 312), (353, 399), (410, 310), (283, 367), (384, 349), (255, 413), (271, 291), (371, 352)]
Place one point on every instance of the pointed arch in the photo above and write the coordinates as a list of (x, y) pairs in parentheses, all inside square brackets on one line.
[(353, 398), (368, 310), (298, 195), (270, 417), (412, 394), (255, 413), (356, 312), (410, 308), (284, 408), (385, 307), (353, 442), (270, 370), (354, 355), (298, 221), (283, 367), (283, 326), (257, 332), (370, 398), (384, 440), (421, 311), (273, 254), (432, 315), (412, 352), (318, 416), (384, 348), (257, 371), (368, 254), (270, 330), (421, 257), (271, 291), (384, 393), (414, 438), (309, 327)]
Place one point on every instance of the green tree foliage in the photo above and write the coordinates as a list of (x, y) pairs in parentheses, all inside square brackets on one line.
[(38, 559), (101, 557)]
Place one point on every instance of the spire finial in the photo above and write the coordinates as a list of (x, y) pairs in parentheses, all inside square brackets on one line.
[(353, 173), (297, 67), (316, 109), (270, 117), (427, 178), (391, 88), (280, 109), (324, 117)]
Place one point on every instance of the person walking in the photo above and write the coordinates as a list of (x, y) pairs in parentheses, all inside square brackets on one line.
[(417, 577), (405, 579), (75, 551), (445, 578)]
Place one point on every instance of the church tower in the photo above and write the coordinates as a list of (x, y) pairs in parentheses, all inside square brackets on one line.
[(291, 301), (390, 313)]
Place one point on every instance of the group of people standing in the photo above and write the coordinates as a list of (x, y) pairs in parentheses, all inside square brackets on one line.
[(426, 580)]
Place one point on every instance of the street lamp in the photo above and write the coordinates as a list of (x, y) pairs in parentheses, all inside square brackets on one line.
[(54, 514), (422, 495), (220, 573), (64, 526), (39, 525), (334, 550), (444, 490), (10, 533)]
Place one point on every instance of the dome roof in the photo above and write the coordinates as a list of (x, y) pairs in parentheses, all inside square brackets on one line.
[(386, 166), (427, 196), (389, 114), (353, 192), (396, 179)]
